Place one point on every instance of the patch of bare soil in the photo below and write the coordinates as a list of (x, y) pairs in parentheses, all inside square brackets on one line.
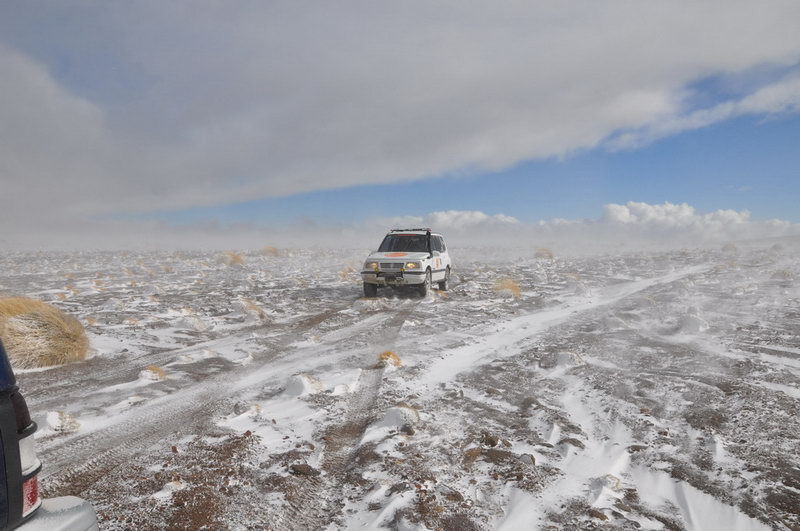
[(190, 487)]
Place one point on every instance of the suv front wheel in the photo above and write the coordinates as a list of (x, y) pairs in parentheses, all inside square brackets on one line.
[(370, 290), (425, 286), (443, 283)]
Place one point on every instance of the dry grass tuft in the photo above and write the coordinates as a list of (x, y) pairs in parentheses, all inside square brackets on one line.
[(730, 248), (347, 274), (61, 421), (782, 274), (153, 372), (252, 307), (232, 258), (506, 284), (390, 357), (270, 251), (36, 334), (91, 321), (544, 253)]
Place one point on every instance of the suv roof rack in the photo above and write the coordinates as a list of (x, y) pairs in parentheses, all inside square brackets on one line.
[(408, 230)]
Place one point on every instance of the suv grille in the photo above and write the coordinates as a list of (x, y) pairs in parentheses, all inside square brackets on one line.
[(391, 265)]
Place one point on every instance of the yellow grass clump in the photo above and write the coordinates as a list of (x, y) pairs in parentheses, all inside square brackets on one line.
[(730, 248), (412, 412), (544, 253), (232, 258), (347, 274), (36, 334), (270, 251), (783, 274), (61, 421), (153, 372), (252, 307), (506, 284), (390, 357)]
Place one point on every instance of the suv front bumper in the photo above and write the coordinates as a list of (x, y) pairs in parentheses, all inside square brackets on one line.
[(393, 278)]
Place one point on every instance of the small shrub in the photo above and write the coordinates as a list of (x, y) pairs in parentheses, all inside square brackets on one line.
[(782, 274), (390, 357), (730, 248), (36, 334), (61, 421), (252, 307), (347, 274), (544, 253), (270, 251), (232, 258), (153, 372), (508, 285)]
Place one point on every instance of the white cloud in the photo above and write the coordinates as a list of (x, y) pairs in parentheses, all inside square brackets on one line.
[(777, 98), (632, 226), (207, 103), (450, 219)]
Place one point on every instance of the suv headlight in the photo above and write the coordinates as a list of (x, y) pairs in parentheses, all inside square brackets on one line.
[(369, 264), (412, 265)]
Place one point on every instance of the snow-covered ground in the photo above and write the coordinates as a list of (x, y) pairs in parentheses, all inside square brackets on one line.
[(655, 391)]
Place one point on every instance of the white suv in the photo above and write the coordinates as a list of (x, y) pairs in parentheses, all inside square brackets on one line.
[(408, 257)]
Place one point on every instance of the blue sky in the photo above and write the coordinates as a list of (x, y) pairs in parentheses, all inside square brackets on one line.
[(748, 163)]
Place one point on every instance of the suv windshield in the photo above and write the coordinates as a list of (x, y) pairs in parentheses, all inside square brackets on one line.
[(411, 243)]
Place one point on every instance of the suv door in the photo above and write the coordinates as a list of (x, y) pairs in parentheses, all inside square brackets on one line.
[(440, 257), (445, 256)]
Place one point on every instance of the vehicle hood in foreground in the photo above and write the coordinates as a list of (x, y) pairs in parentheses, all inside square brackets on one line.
[(397, 256)]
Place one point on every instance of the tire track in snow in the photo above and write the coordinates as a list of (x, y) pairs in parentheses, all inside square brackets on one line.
[(317, 500), (503, 342), (50, 391), (84, 458), (73, 463)]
